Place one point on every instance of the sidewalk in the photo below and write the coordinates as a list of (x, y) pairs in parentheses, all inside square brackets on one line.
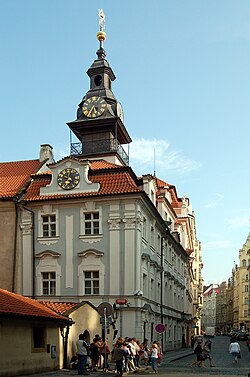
[(168, 357)]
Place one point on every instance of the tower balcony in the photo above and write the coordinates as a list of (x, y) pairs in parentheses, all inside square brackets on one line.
[(99, 147)]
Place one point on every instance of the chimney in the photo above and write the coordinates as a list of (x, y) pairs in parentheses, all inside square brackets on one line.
[(46, 153)]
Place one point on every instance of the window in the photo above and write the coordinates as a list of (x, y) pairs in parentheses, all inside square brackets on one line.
[(152, 236), (91, 223), (91, 282), (38, 337), (49, 225), (244, 262), (246, 288), (49, 283), (144, 228)]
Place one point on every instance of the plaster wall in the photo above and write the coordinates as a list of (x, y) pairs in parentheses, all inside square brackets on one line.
[(16, 348)]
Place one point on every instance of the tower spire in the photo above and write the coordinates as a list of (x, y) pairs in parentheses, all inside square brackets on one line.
[(101, 35)]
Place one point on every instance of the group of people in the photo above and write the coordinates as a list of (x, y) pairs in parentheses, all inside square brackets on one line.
[(128, 354), (202, 353)]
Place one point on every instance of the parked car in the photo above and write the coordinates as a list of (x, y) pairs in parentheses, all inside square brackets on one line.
[(242, 336)]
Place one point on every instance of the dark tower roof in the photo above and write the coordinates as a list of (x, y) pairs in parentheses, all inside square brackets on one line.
[(99, 124)]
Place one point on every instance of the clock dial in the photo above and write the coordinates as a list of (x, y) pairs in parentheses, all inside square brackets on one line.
[(93, 107), (68, 178), (120, 111)]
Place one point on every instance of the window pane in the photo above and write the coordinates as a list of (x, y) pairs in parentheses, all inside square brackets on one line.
[(96, 291), (96, 274), (87, 216), (53, 275), (96, 215), (87, 274), (45, 219), (87, 291)]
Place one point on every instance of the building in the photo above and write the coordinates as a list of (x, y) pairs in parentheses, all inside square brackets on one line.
[(222, 309), (241, 289), (30, 336), (209, 306), (91, 230)]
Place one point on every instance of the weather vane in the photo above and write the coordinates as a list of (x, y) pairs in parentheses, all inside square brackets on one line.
[(101, 16), (101, 35)]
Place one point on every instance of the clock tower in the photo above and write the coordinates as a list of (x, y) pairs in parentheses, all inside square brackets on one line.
[(99, 125)]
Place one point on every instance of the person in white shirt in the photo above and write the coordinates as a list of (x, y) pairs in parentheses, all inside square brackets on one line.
[(82, 354), (234, 350)]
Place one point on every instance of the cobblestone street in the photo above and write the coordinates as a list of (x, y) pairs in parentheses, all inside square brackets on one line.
[(177, 364)]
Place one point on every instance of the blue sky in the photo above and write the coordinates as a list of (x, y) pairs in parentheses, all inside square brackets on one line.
[(183, 79)]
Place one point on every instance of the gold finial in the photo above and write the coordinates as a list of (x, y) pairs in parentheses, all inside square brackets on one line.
[(101, 35)]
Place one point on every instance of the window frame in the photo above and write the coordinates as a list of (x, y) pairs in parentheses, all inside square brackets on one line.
[(92, 279), (51, 290)]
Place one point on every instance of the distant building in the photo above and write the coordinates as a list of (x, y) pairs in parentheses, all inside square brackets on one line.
[(241, 291), (209, 306)]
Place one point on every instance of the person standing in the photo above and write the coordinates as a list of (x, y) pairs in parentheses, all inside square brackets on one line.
[(234, 350), (118, 354), (207, 352), (82, 353), (154, 356)]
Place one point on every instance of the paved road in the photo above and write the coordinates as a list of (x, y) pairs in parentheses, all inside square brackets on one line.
[(181, 367), (224, 365)]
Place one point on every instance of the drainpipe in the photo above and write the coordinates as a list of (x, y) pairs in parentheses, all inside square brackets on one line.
[(15, 247), (33, 248), (162, 288)]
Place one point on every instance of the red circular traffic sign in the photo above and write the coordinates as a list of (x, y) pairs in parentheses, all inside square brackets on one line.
[(160, 328)]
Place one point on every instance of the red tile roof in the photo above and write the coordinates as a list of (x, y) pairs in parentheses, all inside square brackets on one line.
[(12, 304), (60, 307), (15, 175), (113, 179)]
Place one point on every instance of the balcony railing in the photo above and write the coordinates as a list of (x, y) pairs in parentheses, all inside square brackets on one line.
[(99, 146)]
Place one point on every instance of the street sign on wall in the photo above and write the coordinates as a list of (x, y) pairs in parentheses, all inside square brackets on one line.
[(160, 328)]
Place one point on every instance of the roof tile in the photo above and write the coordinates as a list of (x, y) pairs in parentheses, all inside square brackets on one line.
[(14, 175), (21, 306)]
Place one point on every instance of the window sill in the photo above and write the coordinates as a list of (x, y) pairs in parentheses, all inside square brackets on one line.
[(48, 240), (91, 238)]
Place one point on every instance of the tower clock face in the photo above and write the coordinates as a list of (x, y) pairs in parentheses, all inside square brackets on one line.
[(68, 178), (93, 107)]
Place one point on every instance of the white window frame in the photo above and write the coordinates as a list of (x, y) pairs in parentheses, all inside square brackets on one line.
[(92, 280), (47, 210), (90, 208), (50, 280)]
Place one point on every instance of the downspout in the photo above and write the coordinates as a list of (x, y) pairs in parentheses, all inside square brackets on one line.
[(33, 248), (162, 282), (15, 247)]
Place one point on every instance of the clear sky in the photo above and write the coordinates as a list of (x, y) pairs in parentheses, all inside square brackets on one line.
[(183, 78)]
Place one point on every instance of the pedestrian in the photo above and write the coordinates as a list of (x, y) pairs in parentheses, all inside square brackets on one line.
[(234, 350), (199, 356), (118, 355), (192, 341), (145, 350), (105, 352), (95, 353), (183, 341), (207, 352), (82, 354), (154, 356)]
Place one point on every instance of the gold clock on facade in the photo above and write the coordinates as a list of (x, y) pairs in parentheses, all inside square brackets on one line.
[(68, 178), (94, 106)]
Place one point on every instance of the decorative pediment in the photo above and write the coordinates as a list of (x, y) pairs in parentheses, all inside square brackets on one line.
[(70, 176), (93, 252), (47, 253)]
